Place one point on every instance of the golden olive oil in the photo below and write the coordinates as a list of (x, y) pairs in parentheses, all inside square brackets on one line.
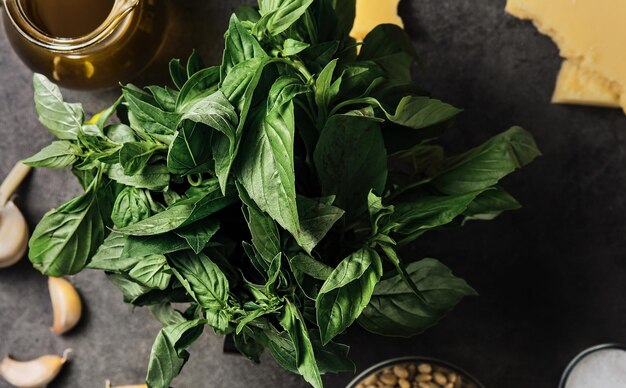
[(124, 52), (67, 18)]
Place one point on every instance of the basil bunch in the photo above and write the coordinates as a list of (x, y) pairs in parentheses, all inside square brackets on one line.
[(270, 194)]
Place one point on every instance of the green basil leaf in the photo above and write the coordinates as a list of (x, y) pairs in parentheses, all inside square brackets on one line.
[(240, 46), (263, 230), (62, 119), (277, 17), (135, 156), (412, 219), (108, 256), (166, 314), (390, 47), (216, 112), (357, 78), (188, 153), (346, 292), (202, 278), (199, 233), (485, 165), (284, 90), (202, 84), (58, 154), (491, 204), (293, 322), (325, 89), (293, 47), (152, 271), (346, 12), (317, 217), (395, 310), (332, 357), (311, 267), (67, 237), (336, 162), (153, 177), (178, 73), (182, 213), (319, 55), (168, 355), (266, 169), (120, 133), (239, 87), (165, 97), (146, 114), (194, 64), (140, 246), (131, 206), (422, 112)]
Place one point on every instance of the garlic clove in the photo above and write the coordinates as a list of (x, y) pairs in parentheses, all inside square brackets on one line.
[(35, 373), (13, 235), (66, 305)]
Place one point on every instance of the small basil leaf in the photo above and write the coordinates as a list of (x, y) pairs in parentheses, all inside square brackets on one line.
[(152, 271), (62, 119), (347, 292), (58, 154), (131, 206)]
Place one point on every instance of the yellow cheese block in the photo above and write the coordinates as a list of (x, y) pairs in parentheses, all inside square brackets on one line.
[(590, 32), (371, 13), (581, 86)]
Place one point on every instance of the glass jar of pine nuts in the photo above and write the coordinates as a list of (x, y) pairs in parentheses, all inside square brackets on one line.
[(414, 372)]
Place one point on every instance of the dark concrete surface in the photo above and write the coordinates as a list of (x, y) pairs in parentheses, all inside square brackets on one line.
[(552, 277)]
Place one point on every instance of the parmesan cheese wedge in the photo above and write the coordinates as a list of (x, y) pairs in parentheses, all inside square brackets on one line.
[(591, 34)]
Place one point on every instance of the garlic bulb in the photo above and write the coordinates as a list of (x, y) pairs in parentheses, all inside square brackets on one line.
[(66, 305), (35, 373)]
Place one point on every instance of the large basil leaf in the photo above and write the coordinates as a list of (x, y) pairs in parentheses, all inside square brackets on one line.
[(346, 13), (266, 169), (152, 271), (346, 292), (347, 174), (168, 355), (395, 310), (485, 165), (67, 237), (131, 206), (332, 357), (62, 119), (291, 320), (58, 154)]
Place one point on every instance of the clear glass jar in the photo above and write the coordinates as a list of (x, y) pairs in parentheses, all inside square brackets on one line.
[(116, 51)]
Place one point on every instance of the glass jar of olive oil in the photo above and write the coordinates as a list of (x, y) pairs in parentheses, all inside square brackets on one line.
[(86, 44)]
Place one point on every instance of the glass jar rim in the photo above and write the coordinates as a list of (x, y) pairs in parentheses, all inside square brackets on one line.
[(19, 19)]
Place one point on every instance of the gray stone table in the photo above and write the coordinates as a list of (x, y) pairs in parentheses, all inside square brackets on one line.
[(552, 277)]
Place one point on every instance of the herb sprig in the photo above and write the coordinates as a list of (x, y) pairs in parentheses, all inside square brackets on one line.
[(271, 193)]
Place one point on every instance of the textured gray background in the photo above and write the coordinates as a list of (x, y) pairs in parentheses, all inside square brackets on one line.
[(551, 276)]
